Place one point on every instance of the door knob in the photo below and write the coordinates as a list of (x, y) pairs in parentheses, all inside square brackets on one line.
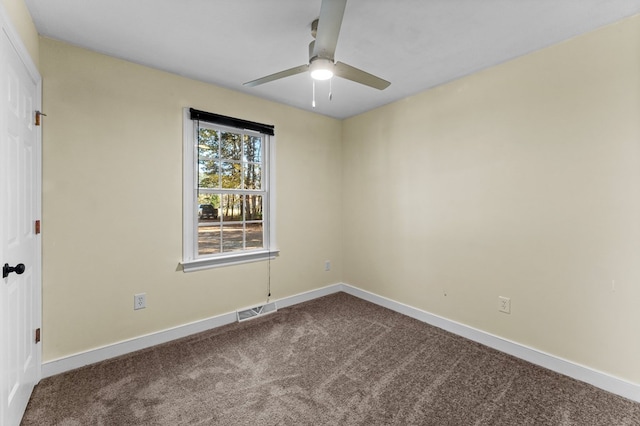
[(6, 269)]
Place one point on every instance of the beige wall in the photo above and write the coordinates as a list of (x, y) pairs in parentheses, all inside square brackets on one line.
[(22, 22), (112, 197), (520, 181)]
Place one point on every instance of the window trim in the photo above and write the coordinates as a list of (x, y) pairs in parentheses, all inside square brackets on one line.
[(190, 260)]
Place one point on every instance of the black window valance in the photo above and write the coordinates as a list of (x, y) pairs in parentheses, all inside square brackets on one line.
[(223, 120)]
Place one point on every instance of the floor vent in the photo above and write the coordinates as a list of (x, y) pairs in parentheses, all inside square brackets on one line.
[(256, 311)]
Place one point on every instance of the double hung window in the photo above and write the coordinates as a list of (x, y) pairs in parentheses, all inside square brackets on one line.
[(227, 190)]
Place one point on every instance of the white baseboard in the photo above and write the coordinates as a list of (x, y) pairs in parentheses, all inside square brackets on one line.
[(309, 295), (579, 372), (559, 365), (60, 365)]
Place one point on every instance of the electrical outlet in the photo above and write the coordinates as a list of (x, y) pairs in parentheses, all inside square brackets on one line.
[(139, 301), (504, 304), (327, 265)]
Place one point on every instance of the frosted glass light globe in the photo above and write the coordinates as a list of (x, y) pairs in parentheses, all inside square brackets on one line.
[(321, 69)]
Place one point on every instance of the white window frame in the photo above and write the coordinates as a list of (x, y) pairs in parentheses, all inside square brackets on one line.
[(191, 261)]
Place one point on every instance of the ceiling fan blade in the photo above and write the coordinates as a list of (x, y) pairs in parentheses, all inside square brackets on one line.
[(277, 76), (354, 74), (331, 13)]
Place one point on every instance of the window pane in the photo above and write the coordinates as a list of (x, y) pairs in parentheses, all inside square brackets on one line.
[(208, 239), (208, 207), (253, 207), (252, 176), (231, 207), (252, 149), (254, 236), (232, 237), (208, 143), (231, 146), (208, 174), (231, 176)]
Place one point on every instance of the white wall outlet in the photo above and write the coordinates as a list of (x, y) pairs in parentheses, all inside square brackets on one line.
[(504, 304), (139, 301), (327, 265)]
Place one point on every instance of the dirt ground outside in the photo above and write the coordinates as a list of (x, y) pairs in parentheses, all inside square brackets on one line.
[(214, 237)]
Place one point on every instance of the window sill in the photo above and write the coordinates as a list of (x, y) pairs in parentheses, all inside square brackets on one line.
[(228, 260)]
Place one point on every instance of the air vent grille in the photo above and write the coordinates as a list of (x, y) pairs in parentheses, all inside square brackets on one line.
[(256, 311)]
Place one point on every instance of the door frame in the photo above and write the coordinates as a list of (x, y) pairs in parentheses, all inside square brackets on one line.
[(20, 49)]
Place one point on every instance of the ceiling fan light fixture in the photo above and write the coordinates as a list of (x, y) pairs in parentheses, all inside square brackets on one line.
[(321, 69)]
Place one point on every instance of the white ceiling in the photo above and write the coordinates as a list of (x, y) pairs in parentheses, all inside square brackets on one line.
[(414, 44)]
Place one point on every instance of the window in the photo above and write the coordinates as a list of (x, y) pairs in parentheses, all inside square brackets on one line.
[(228, 191)]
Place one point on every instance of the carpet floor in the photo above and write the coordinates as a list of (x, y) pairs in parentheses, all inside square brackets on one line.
[(337, 360)]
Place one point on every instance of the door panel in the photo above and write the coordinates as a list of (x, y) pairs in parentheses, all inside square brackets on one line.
[(19, 208)]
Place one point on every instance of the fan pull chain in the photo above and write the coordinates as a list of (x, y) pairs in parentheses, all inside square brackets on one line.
[(331, 88), (313, 102)]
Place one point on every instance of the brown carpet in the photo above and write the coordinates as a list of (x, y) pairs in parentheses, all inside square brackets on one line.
[(337, 360)]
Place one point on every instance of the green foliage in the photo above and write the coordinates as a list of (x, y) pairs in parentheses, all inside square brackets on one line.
[(213, 199)]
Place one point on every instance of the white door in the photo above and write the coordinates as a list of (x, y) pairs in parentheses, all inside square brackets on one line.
[(20, 290)]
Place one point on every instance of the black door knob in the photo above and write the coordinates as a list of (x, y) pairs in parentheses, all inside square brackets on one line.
[(6, 269)]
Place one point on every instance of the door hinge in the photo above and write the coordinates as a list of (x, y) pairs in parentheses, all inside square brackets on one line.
[(37, 335), (37, 227), (38, 115)]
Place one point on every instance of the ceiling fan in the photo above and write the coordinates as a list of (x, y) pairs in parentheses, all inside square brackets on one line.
[(322, 65)]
